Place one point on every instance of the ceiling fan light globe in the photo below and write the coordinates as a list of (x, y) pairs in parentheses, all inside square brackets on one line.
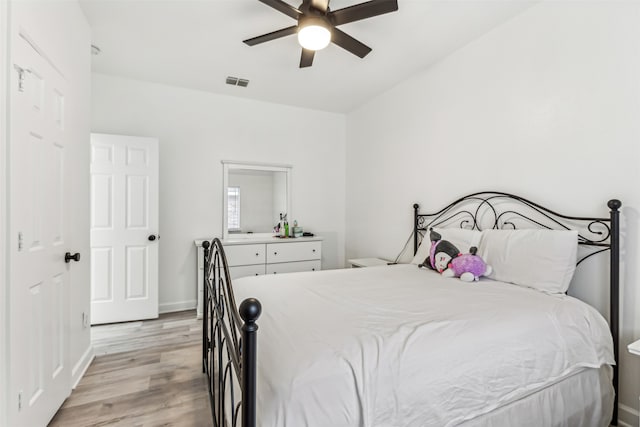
[(314, 37)]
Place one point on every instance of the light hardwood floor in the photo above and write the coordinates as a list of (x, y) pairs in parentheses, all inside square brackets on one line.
[(145, 373)]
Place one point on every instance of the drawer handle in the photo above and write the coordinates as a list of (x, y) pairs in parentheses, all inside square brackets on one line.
[(275, 253), (313, 269), (314, 250), (256, 274), (257, 254), (275, 272)]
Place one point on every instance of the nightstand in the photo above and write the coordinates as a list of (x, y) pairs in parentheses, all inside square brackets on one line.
[(634, 348), (368, 262)]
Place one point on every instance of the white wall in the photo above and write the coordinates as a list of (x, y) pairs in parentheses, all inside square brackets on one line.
[(546, 106), (196, 131), (4, 277)]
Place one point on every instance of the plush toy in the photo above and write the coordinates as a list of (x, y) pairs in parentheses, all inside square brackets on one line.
[(447, 260)]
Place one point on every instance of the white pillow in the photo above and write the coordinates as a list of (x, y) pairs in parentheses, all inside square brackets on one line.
[(461, 238), (540, 259)]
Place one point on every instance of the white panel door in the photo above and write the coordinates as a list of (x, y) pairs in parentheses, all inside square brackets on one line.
[(38, 235), (124, 228)]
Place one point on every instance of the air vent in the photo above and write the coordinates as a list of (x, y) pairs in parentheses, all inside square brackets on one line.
[(234, 81)]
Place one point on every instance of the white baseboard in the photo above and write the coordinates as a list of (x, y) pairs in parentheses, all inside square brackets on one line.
[(170, 307), (630, 416), (81, 367)]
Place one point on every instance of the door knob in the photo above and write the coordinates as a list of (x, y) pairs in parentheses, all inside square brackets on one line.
[(152, 237), (68, 257)]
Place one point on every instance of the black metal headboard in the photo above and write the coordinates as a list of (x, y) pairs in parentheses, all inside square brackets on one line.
[(498, 210)]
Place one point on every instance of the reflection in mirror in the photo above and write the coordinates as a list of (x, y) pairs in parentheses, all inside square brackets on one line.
[(254, 197)]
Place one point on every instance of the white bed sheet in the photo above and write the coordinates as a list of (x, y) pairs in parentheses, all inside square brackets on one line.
[(402, 346)]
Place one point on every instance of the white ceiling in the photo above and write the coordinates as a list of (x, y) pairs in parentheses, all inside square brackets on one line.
[(197, 44)]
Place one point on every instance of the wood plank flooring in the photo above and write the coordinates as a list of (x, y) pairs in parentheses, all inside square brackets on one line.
[(145, 373)]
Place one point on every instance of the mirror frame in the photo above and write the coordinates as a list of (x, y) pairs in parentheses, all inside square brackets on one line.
[(227, 166)]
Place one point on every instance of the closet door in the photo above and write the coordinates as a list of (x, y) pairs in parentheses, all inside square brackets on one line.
[(40, 165), (124, 228)]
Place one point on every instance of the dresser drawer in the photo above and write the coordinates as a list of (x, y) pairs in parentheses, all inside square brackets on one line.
[(298, 251), (246, 270), (253, 257), (244, 254), (292, 267)]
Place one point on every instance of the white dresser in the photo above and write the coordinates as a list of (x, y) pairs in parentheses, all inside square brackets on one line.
[(253, 257)]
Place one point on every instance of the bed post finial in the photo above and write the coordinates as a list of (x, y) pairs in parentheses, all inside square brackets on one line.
[(614, 204), (249, 310), (614, 299)]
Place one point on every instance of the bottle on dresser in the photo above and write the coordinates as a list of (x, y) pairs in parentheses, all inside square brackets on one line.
[(283, 222)]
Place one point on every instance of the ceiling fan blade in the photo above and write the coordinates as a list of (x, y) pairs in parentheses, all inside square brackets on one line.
[(272, 36), (283, 7), (347, 42), (362, 11), (306, 59)]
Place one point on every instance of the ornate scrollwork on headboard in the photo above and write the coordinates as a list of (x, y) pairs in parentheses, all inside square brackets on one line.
[(498, 210)]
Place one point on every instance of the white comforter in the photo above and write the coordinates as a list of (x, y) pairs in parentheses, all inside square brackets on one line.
[(402, 346)]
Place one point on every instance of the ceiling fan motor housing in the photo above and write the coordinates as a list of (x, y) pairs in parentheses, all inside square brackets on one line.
[(319, 20)]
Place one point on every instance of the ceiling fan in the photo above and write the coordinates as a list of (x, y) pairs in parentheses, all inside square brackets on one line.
[(317, 24)]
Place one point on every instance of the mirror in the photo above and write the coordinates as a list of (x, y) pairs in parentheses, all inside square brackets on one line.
[(254, 196)]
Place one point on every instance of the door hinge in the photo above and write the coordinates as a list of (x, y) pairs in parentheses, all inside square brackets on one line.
[(20, 240), (21, 71), (19, 400)]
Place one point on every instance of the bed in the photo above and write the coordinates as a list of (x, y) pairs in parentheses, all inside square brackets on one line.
[(401, 345)]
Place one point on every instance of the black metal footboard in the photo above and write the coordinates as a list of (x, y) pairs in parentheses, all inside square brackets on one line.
[(229, 343)]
